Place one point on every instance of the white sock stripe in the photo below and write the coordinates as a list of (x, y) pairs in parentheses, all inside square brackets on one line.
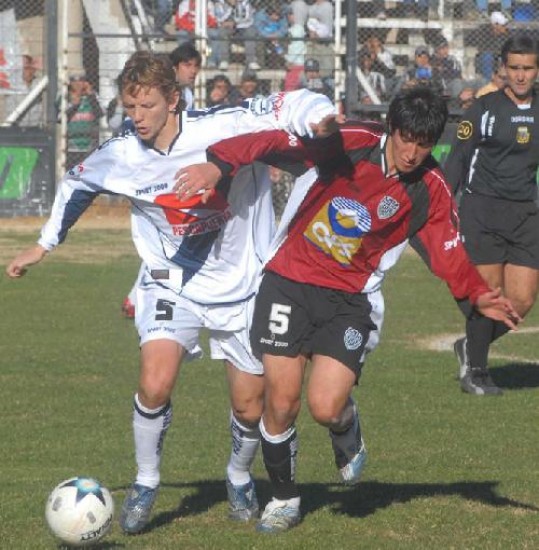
[(279, 438), (150, 413), (245, 432)]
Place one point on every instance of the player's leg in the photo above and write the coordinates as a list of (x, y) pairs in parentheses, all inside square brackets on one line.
[(281, 324), (168, 330), (246, 392), (340, 345), (331, 405), (482, 227), (152, 415), (282, 402), (246, 400)]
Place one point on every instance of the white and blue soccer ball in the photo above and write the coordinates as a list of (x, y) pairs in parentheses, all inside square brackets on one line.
[(79, 511)]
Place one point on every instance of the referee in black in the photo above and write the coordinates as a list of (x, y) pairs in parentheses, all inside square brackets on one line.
[(494, 164)]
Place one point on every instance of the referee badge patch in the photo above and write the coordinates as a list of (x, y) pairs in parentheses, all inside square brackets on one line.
[(464, 130), (352, 339), (523, 135)]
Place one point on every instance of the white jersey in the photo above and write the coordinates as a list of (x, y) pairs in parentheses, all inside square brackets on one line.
[(210, 253)]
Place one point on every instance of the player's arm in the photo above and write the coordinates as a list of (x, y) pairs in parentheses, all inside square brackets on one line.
[(457, 165), (75, 194), (226, 157), (439, 245)]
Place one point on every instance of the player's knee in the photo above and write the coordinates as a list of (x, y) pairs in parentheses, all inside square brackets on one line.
[(283, 410), (249, 417), (153, 396), (325, 411)]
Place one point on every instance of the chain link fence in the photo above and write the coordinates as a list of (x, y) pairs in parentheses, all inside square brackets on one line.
[(59, 60)]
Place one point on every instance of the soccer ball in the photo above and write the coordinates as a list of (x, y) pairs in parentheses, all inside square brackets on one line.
[(79, 511)]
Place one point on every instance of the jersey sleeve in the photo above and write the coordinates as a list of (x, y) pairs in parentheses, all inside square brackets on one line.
[(76, 192), (230, 154), (439, 245), (457, 164), (292, 111)]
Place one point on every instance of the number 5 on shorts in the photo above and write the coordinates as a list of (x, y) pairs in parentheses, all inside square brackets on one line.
[(279, 318)]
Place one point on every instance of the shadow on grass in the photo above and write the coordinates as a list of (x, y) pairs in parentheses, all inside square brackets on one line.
[(361, 501), (516, 376)]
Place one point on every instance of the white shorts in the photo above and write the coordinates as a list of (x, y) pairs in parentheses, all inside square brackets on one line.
[(162, 314)]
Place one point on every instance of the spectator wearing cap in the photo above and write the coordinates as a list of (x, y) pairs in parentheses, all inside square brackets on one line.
[(420, 72), (488, 39), (482, 8), (83, 114), (320, 34), (314, 81), (446, 67), (247, 88)]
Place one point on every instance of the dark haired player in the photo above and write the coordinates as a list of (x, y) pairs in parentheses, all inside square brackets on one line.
[(494, 163), (320, 296)]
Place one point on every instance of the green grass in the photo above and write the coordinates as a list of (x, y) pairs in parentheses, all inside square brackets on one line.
[(445, 469)]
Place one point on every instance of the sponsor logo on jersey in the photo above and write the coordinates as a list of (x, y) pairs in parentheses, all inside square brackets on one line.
[(387, 207), (338, 228), (523, 118), (192, 217), (452, 243), (352, 339), (465, 130), (523, 135)]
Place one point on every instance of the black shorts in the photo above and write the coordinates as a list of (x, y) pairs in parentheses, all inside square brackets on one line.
[(292, 319), (500, 231)]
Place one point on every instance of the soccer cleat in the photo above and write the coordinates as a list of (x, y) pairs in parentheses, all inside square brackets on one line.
[(351, 472), (477, 381), (350, 469), (137, 508), (128, 308), (242, 501), (278, 516), (461, 352)]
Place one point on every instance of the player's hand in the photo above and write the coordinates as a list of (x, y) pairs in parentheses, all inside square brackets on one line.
[(197, 179), (495, 306), (19, 266), (330, 124)]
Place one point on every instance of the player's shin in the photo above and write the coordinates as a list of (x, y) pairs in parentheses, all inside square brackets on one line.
[(149, 429), (245, 442), (280, 452)]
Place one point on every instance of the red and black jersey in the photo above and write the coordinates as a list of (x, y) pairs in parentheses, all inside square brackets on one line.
[(352, 224)]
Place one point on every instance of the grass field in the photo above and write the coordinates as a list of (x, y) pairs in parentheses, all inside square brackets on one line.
[(445, 469)]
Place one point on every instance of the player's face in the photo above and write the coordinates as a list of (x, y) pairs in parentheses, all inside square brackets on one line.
[(152, 114), (521, 73), (186, 72), (405, 154)]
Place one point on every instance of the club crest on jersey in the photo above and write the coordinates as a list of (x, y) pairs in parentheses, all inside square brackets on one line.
[(464, 130), (387, 207), (338, 228), (352, 339), (523, 135)]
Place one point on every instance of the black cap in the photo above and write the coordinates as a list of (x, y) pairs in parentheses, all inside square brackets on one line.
[(311, 65)]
